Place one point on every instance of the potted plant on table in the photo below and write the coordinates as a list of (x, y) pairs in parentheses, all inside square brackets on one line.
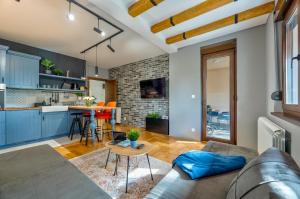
[(133, 136), (89, 100), (48, 65)]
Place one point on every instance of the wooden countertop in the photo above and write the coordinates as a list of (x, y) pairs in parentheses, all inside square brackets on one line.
[(90, 108), (20, 108), (87, 108)]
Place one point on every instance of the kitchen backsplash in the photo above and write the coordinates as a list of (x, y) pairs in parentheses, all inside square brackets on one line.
[(27, 98)]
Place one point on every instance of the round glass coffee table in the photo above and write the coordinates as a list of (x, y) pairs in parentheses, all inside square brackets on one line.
[(128, 152)]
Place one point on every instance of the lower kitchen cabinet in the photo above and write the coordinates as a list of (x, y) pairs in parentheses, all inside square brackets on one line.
[(55, 124), (23, 125), (2, 128)]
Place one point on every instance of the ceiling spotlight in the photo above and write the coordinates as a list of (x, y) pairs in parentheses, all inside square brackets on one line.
[(71, 16), (110, 47), (97, 30)]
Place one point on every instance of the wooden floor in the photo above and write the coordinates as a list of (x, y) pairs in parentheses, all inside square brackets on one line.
[(165, 148)]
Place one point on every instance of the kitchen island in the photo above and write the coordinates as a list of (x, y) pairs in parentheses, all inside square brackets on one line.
[(92, 109)]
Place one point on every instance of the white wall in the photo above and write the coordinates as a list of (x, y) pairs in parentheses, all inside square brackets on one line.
[(271, 87), (218, 89), (185, 112)]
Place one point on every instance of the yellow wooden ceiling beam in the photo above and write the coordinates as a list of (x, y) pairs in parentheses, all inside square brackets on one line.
[(188, 14), (142, 6), (242, 16)]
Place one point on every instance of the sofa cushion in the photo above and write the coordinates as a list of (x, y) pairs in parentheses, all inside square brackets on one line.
[(273, 174), (177, 185)]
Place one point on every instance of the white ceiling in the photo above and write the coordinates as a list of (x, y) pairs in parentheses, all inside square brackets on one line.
[(43, 24), (141, 24)]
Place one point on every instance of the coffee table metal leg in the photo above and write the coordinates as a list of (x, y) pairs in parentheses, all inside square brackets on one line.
[(149, 166), (127, 173), (116, 167), (107, 158)]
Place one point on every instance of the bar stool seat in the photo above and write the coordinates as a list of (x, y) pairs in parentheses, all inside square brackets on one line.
[(75, 121)]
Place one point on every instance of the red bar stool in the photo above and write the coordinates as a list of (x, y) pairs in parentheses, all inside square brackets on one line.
[(106, 116)]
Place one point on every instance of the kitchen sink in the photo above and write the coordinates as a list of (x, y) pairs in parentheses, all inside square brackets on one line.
[(46, 109)]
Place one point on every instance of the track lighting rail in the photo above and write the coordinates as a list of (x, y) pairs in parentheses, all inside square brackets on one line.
[(120, 30)]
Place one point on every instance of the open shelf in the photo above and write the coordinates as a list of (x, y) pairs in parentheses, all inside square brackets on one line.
[(61, 77), (61, 90)]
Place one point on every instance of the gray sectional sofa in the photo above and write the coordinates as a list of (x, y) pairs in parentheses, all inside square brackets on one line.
[(273, 174), (41, 173)]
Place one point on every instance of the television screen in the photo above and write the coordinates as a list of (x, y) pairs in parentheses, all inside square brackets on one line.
[(153, 88)]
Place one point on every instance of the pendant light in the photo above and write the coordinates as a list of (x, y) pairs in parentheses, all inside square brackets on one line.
[(96, 67), (110, 47)]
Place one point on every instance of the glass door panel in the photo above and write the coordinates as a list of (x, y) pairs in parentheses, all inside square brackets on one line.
[(218, 97)]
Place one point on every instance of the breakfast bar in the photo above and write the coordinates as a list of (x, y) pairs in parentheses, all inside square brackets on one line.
[(92, 110)]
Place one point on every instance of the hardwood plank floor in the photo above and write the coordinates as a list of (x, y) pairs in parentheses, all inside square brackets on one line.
[(165, 148)]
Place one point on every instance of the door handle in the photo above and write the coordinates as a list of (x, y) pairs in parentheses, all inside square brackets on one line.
[(297, 58)]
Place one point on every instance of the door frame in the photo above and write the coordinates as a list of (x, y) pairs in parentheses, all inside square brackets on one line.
[(219, 50)]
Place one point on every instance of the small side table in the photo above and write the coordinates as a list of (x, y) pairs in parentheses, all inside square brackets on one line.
[(129, 152)]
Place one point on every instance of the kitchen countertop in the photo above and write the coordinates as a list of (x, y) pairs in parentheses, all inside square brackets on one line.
[(69, 107), (20, 108)]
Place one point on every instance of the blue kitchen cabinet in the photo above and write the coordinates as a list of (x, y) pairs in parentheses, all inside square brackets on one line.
[(55, 124), (3, 50), (22, 126), (2, 128), (22, 70)]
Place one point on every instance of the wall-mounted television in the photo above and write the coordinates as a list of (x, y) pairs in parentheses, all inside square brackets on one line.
[(153, 88)]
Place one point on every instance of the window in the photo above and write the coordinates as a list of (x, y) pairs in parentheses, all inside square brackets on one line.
[(291, 99)]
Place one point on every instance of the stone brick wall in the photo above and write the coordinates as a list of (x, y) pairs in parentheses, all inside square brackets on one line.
[(128, 77)]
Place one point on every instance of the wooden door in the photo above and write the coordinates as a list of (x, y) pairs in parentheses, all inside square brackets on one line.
[(110, 90), (219, 96)]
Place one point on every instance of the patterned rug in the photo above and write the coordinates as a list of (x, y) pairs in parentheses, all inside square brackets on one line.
[(139, 179)]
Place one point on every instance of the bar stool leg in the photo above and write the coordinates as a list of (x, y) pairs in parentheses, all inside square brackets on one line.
[(71, 129), (80, 126)]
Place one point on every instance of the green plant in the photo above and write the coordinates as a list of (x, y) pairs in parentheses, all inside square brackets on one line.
[(153, 115), (58, 71), (133, 135), (79, 94), (47, 64)]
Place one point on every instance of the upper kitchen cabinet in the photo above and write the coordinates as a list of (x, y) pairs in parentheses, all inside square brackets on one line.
[(3, 50), (22, 70)]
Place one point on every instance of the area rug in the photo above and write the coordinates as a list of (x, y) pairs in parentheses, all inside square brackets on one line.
[(139, 179)]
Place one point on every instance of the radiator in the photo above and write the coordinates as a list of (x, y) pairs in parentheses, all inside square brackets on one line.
[(269, 135)]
